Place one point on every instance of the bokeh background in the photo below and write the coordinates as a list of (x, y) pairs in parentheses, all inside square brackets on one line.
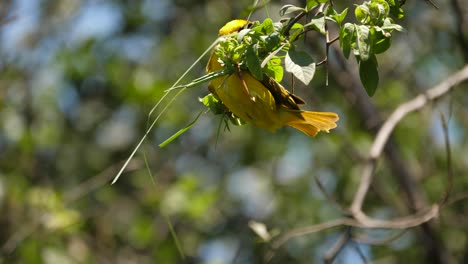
[(78, 79)]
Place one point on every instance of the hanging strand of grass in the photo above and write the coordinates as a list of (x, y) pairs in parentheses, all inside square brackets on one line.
[(182, 76), (166, 93), (205, 78), (164, 215), (145, 136)]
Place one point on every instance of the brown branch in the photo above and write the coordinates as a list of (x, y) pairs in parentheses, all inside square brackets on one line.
[(359, 218), (361, 221), (459, 197), (346, 76), (387, 128), (301, 231), (365, 240), (405, 222), (382, 143)]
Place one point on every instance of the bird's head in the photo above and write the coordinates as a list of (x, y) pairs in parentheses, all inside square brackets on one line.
[(233, 26)]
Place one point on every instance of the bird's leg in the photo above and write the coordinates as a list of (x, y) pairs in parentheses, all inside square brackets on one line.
[(246, 88)]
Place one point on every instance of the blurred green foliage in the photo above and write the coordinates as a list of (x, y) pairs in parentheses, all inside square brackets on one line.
[(78, 78)]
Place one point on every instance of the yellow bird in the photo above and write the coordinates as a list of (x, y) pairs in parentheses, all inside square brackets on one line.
[(265, 104)]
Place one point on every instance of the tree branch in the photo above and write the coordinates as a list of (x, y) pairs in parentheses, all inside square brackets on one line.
[(387, 128), (361, 221)]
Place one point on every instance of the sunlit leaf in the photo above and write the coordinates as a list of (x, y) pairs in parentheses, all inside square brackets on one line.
[(361, 13), (346, 38), (311, 4), (333, 15), (215, 105), (274, 69), (318, 23), (267, 26), (301, 65), (364, 42), (287, 9), (261, 230)]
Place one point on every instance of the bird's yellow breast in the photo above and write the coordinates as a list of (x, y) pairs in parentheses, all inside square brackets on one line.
[(257, 107)]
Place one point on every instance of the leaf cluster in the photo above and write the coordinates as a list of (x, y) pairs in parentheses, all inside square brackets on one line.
[(254, 49), (264, 48), (369, 37), (257, 48)]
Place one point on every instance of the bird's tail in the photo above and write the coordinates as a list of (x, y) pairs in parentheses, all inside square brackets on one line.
[(311, 122)]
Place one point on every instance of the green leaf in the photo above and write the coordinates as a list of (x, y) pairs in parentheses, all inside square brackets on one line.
[(340, 17), (364, 42), (361, 12), (274, 69), (369, 75), (297, 26), (381, 44), (346, 38), (378, 11), (253, 62), (311, 4), (318, 23), (385, 5), (272, 41), (301, 65), (397, 12), (389, 25), (180, 132), (235, 120), (331, 14), (267, 26), (215, 105), (287, 9)]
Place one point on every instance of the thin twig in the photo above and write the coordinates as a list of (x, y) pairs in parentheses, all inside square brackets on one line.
[(331, 253), (311, 229), (432, 4), (328, 196), (404, 222), (448, 190), (361, 221), (365, 240), (459, 197)]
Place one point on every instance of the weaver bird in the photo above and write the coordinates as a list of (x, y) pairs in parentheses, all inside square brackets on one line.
[(264, 103)]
